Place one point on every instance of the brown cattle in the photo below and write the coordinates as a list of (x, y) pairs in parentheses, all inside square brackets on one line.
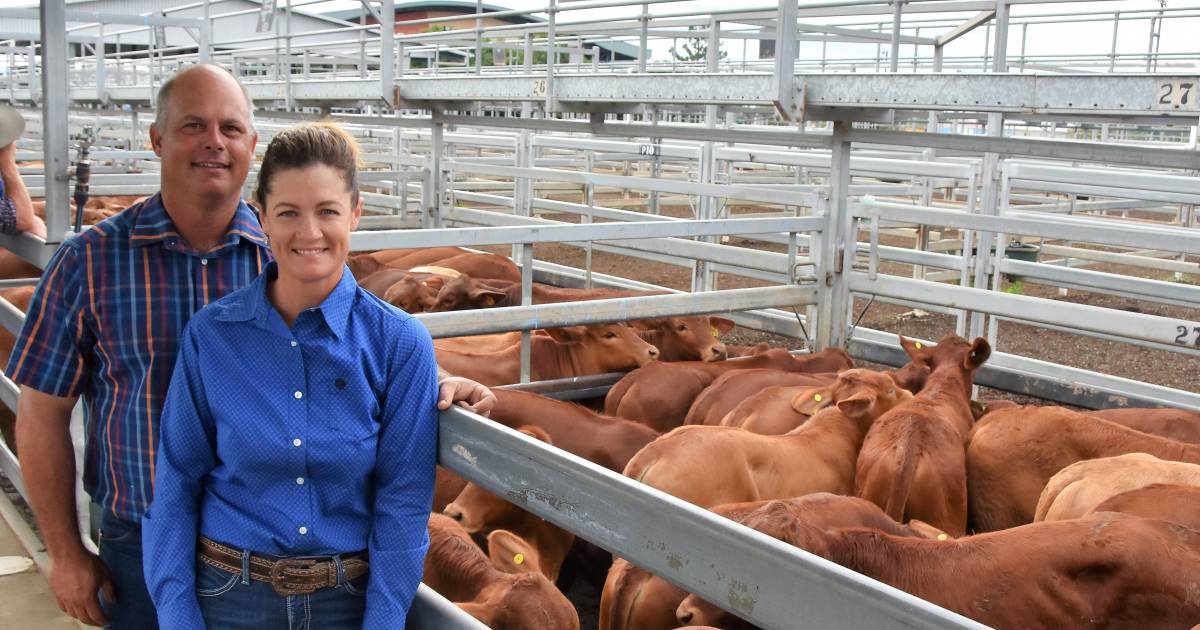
[(730, 389), (685, 338), (507, 592), (913, 461), (1177, 424), (1077, 489), (1105, 571), (604, 440), (779, 520), (363, 265), (471, 293), (660, 394), (634, 599), (481, 513), (480, 265), (1013, 453), (1168, 502), (412, 292), (446, 487), (713, 465), (481, 343), (746, 351), (777, 410), (566, 352), (13, 266)]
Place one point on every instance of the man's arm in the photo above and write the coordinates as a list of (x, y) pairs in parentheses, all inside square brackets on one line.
[(48, 470), (14, 188)]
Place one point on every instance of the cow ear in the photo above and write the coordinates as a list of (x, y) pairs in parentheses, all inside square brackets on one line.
[(980, 351), (925, 530), (567, 334), (811, 401), (486, 297), (856, 406), (435, 282), (721, 324), (535, 432), (511, 554), (910, 347)]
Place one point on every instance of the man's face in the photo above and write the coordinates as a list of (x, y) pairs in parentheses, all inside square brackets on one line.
[(206, 143)]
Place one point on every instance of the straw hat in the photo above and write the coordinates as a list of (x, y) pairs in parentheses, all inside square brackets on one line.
[(11, 125)]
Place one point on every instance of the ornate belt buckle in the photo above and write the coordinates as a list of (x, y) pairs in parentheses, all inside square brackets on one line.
[(279, 577)]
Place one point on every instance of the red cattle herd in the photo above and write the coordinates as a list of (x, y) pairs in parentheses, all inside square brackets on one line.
[(1014, 516)]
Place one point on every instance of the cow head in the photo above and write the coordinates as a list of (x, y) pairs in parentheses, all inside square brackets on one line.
[(411, 295), (691, 338), (951, 352), (479, 511), (613, 347), (859, 394), (528, 600), (464, 292)]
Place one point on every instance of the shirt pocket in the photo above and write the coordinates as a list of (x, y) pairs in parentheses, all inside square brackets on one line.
[(352, 408)]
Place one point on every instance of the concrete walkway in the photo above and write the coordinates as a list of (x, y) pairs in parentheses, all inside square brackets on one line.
[(25, 599)]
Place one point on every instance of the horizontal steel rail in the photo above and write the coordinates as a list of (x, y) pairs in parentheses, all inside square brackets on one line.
[(772, 584), (455, 323)]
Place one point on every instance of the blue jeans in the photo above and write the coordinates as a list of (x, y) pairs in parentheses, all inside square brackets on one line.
[(121, 552), (232, 601)]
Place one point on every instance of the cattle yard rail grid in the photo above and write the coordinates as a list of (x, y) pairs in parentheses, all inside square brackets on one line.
[(576, 122)]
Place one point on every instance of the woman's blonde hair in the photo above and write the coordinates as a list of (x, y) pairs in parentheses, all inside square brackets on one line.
[(309, 144)]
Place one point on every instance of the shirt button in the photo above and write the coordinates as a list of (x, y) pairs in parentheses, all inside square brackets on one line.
[(204, 261), (299, 394), (303, 530), (296, 442), (300, 481), (294, 343)]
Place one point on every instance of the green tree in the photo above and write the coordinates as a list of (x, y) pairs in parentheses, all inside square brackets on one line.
[(694, 48)]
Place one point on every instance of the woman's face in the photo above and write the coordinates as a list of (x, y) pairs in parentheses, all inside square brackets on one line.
[(309, 217)]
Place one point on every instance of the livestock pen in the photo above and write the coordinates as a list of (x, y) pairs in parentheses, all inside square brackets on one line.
[(806, 193)]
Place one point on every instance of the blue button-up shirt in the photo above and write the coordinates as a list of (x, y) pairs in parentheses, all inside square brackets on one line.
[(105, 323), (317, 440)]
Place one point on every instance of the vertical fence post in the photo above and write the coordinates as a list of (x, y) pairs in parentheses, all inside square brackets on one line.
[(894, 58), (837, 250), (56, 99), (387, 53)]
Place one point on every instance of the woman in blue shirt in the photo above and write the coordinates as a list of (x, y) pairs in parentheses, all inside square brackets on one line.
[(299, 434)]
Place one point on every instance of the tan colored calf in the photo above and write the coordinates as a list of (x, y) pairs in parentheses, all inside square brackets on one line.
[(1077, 489), (713, 465)]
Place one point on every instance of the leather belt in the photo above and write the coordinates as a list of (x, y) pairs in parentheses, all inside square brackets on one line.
[(288, 576)]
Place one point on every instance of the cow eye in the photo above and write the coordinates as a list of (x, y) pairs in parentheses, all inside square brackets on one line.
[(610, 335), (682, 328)]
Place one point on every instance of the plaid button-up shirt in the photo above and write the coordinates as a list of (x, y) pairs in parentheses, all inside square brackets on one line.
[(105, 323)]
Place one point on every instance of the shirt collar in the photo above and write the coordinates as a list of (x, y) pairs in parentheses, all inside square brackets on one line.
[(255, 306), (153, 225)]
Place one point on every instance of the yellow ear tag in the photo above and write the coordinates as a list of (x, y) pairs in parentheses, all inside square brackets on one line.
[(817, 397), (940, 537), (488, 301), (919, 345), (520, 558), (715, 332)]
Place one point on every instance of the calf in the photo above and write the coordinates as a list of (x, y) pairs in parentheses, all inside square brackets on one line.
[(481, 513), (507, 592), (635, 599), (363, 265), (714, 465), (469, 293), (780, 519), (20, 298), (1013, 453), (690, 338), (407, 290), (480, 265), (1080, 487), (1168, 502), (660, 394), (913, 462), (566, 352), (1105, 571), (604, 440), (730, 389), (1177, 424)]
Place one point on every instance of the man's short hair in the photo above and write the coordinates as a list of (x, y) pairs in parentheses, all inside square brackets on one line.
[(164, 94)]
